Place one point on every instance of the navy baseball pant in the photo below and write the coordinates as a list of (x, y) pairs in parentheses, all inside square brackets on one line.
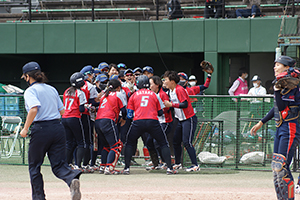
[(48, 137), (184, 133)]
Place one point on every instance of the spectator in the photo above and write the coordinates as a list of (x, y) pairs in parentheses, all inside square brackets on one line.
[(257, 89), (251, 11), (174, 9), (240, 85), (213, 9)]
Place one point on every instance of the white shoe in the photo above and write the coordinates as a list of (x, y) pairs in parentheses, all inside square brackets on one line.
[(101, 169), (297, 189), (107, 171), (177, 166), (193, 168)]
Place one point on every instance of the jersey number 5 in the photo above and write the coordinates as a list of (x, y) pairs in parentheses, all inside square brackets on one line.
[(144, 101)]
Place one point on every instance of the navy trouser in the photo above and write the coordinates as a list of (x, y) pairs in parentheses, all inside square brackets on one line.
[(286, 139), (86, 122), (48, 137), (124, 129), (152, 143), (74, 131), (109, 137), (151, 126), (184, 133)]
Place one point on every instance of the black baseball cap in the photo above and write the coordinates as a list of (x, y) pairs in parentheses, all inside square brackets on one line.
[(30, 67)]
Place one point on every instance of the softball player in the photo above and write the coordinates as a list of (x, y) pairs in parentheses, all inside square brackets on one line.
[(74, 100), (184, 83), (187, 123), (148, 71), (108, 112), (165, 121), (44, 108), (113, 69), (286, 114), (103, 66), (91, 94), (146, 107), (198, 89)]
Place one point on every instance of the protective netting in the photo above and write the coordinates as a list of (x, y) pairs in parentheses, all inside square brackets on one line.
[(223, 129), (224, 125)]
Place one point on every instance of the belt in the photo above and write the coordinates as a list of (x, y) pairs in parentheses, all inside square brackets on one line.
[(44, 121)]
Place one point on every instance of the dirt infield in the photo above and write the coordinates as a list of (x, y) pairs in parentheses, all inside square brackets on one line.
[(142, 185)]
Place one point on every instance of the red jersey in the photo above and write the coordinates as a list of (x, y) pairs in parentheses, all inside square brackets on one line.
[(90, 93), (167, 116), (179, 95), (145, 104), (190, 91), (110, 106), (72, 103), (127, 92)]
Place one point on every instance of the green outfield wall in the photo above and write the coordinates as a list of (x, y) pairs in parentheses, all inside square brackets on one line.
[(189, 38)]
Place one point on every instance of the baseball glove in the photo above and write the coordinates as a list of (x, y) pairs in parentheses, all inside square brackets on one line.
[(207, 67), (288, 80)]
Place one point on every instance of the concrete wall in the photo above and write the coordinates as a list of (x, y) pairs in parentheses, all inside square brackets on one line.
[(182, 44)]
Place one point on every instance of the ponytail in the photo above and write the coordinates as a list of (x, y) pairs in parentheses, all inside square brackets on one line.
[(112, 86), (71, 91), (38, 75)]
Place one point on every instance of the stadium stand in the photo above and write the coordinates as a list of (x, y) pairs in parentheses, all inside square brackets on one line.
[(119, 9)]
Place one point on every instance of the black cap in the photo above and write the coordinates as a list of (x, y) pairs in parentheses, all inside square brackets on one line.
[(30, 67)]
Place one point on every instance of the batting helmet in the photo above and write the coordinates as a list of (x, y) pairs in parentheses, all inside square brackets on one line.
[(183, 75), (286, 60), (77, 80), (148, 69), (142, 82)]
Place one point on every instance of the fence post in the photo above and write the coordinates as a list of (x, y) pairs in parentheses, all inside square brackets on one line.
[(238, 116)]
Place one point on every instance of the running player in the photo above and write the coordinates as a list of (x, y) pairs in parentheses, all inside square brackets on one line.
[(187, 120), (108, 112), (74, 100), (44, 108), (145, 106)]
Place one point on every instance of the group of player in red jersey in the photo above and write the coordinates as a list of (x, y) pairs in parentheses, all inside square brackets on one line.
[(122, 105)]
